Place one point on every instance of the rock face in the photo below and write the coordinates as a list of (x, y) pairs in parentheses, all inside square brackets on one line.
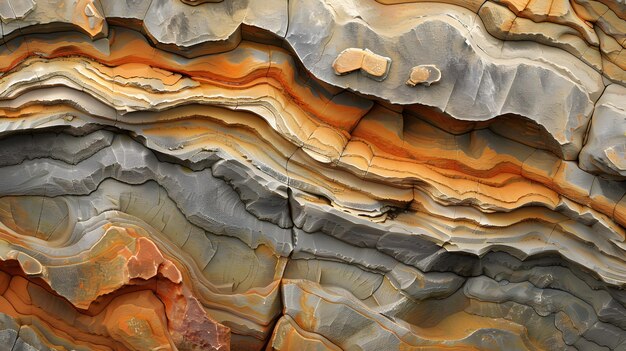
[(312, 175)]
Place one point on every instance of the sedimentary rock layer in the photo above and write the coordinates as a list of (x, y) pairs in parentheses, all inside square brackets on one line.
[(312, 175)]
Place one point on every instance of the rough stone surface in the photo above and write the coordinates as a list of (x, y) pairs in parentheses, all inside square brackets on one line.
[(312, 175)]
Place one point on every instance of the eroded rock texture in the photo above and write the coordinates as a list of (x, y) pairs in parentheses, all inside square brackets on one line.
[(312, 175)]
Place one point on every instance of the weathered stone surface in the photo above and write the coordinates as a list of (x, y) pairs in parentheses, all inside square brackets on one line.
[(605, 150), (215, 175)]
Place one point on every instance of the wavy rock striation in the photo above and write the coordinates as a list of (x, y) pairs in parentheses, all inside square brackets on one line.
[(312, 175)]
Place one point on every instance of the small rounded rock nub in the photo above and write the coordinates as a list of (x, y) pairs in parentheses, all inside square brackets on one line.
[(424, 74)]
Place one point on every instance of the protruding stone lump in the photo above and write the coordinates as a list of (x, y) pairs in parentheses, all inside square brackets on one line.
[(424, 74), (371, 64), (348, 60)]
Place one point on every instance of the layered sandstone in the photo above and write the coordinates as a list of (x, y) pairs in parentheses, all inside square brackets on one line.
[(312, 175)]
